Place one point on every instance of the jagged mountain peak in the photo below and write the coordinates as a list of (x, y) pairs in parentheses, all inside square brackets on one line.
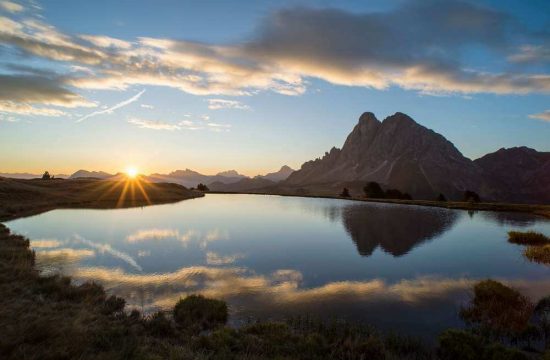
[(397, 152)]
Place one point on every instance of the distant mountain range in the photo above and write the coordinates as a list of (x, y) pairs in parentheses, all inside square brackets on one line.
[(229, 180), (402, 154), (398, 153), (29, 175)]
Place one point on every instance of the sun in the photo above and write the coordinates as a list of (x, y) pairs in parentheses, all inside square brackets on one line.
[(131, 172)]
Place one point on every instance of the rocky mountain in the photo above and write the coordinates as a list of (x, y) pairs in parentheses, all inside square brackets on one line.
[(192, 178), (397, 153), (243, 185), (518, 174), (231, 174), (90, 174), (283, 173)]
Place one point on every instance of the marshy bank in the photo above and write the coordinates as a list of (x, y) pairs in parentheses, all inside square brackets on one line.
[(51, 318), (537, 245)]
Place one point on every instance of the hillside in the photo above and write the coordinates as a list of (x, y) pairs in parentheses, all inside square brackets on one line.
[(20, 197)]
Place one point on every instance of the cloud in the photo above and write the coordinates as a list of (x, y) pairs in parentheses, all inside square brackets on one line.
[(26, 109), (213, 258), (284, 287), (145, 106), (532, 54), (216, 104), (114, 107), (545, 115), (153, 124), (181, 125), (152, 234), (106, 41), (10, 6), (35, 89), (45, 243), (375, 49), (108, 249), (418, 45)]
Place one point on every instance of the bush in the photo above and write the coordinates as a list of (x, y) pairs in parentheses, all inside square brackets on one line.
[(345, 193), (113, 304), (459, 345), (373, 190), (441, 197), (527, 238), (497, 310), (396, 194), (202, 187), (471, 196), (158, 325), (46, 176), (196, 312)]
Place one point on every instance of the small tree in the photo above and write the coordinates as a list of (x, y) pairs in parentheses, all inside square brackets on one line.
[(471, 196), (345, 193), (46, 176), (441, 197), (373, 190), (202, 187)]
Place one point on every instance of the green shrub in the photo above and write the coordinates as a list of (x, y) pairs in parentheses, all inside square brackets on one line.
[(196, 312)]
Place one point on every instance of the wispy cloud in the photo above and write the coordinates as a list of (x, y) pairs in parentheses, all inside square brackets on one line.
[(11, 6), (213, 258), (108, 249), (146, 106), (181, 125), (153, 124), (545, 115), (216, 104), (113, 108)]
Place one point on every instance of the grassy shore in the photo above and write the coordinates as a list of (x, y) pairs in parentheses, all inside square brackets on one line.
[(541, 210), (19, 198)]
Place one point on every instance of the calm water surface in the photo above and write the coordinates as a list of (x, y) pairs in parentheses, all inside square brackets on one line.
[(405, 268)]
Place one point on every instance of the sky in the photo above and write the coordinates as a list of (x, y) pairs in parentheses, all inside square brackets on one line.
[(254, 85)]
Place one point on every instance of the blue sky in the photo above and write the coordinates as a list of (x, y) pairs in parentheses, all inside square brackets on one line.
[(252, 85)]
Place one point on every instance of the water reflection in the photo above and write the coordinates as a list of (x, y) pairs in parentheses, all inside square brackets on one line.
[(274, 257), (396, 229), (510, 218)]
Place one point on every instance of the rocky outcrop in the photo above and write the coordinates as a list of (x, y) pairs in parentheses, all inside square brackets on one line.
[(397, 153)]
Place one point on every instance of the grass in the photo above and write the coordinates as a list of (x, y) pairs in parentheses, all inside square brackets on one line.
[(538, 254), (528, 238), (28, 197)]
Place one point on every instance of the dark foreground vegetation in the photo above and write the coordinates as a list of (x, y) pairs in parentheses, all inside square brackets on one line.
[(28, 197), (50, 318), (538, 245)]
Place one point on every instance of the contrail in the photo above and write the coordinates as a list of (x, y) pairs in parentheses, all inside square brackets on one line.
[(113, 108)]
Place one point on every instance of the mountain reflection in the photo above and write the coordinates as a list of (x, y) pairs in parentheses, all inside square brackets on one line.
[(396, 229)]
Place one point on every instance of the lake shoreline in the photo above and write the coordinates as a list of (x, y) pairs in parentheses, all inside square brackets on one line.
[(22, 198), (535, 209)]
